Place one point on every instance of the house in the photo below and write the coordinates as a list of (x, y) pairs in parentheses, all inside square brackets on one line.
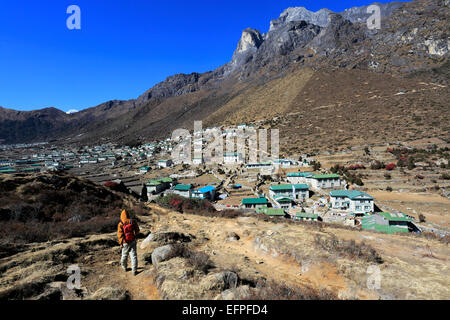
[(155, 187), (233, 158), (184, 190), (296, 192), (144, 170), (259, 165), (352, 200), (254, 203), (8, 171), (208, 192), (198, 161), (284, 163), (168, 182), (388, 223), (32, 169), (326, 181), (283, 202), (299, 177), (165, 163), (271, 212), (305, 216)]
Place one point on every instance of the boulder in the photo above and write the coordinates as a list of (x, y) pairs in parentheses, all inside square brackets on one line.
[(219, 281), (232, 237), (164, 253), (239, 293)]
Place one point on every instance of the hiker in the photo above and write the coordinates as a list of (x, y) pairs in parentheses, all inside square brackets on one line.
[(127, 231), (144, 196)]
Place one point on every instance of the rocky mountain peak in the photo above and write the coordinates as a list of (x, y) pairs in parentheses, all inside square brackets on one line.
[(319, 18), (250, 39)]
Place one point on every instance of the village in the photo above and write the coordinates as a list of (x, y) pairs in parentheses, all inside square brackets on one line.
[(296, 188)]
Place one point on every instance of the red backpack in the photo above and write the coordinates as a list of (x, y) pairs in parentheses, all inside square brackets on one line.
[(128, 231)]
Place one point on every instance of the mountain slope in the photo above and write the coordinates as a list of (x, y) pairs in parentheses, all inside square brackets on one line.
[(412, 43)]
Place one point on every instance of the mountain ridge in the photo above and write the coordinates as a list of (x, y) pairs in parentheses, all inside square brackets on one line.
[(260, 58)]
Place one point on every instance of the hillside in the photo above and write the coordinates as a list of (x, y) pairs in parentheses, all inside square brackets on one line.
[(232, 258), (301, 64)]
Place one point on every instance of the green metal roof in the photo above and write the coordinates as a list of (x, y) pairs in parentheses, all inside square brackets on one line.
[(271, 212), (8, 171), (299, 174), (301, 187), (283, 199), (153, 183), (326, 176), (384, 228), (30, 169), (352, 194), (183, 187), (289, 187), (395, 216), (306, 215), (254, 201), (167, 180)]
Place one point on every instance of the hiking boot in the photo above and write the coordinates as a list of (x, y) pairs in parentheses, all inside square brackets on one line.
[(124, 269), (135, 273)]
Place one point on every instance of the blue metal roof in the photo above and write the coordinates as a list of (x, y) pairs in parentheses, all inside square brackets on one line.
[(206, 189)]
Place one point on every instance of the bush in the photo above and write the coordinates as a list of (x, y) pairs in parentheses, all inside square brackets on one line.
[(195, 206), (445, 176), (356, 167), (198, 260), (422, 218), (281, 291), (377, 165), (389, 189), (391, 166), (349, 248)]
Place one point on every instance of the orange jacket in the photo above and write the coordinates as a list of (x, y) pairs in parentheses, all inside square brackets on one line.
[(125, 219)]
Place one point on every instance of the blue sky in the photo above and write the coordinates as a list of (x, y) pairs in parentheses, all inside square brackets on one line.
[(123, 47)]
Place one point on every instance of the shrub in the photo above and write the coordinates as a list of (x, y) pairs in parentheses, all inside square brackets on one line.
[(422, 218), (377, 165), (445, 176), (389, 189), (194, 206), (391, 166), (356, 167), (111, 185), (198, 260), (281, 291), (349, 248)]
